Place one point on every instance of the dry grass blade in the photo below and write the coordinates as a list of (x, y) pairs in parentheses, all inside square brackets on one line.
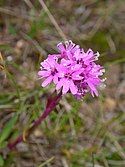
[(64, 162), (116, 163), (29, 4), (61, 33), (117, 145), (1, 62), (34, 42), (46, 162), (2, 65), (16, 14), (111, 44)]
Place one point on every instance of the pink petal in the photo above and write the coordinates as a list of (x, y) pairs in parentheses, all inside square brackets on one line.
[(77, 67), (47, 81), (76, 76), (93, 93), (61, 69), (66, 85), (93, 88), (54, 56), (44, 64), (70, 45), (69, 54), (55, 79), (44, 73), (61, 47), (77, 54), (75, 48), (90, 53), (96, 92), (73, 88), (65, 62), (51, 62), (59, 84)]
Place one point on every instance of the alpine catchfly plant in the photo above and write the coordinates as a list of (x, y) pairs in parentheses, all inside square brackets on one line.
[(71, 70)]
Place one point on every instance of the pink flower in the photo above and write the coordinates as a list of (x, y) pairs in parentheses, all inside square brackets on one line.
[(73, 70), (67, 50), (92, 75), (48, 71), (67, 77)]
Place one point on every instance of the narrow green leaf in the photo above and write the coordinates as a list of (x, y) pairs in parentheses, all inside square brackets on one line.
[(1, 161), (8, 128)]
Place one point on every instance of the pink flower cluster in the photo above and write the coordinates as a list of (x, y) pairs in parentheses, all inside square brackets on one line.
[(72, 70)]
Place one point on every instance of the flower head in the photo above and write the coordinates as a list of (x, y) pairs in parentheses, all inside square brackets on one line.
[(73, 70)]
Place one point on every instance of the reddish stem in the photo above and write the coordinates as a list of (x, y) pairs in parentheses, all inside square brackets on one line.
[(52, 104)]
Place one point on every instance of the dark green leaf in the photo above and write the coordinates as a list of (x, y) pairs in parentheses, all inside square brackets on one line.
[(8, 128)]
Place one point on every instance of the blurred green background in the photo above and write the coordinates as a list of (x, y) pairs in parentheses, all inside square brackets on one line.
[(87, 133)]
